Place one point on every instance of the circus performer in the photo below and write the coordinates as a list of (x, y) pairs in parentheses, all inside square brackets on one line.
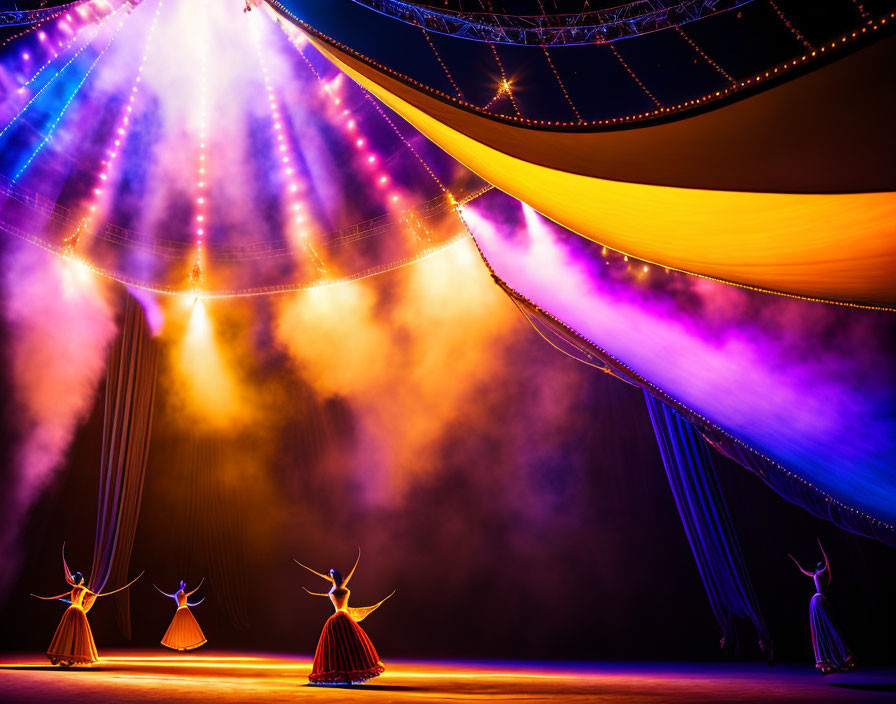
[(344, 654), (73, 643), (184, 632), (831, 652)]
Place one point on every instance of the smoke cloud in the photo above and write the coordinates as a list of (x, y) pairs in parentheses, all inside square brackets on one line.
[(410, 358), (61, 321)]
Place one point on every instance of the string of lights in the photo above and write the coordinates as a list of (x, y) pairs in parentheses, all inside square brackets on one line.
[(705, 56), (566, 333), (49, 82), (586, 358), (634, 76), (297, 39), (360, 141), (407, 143), (200, 209), (42, 36), (442, 63), (294, 209), (44, 19), (247, 292), (49, 133), (118, 137), (616, 366), (376, 106), (773, 72), (495, 98), (707, 427), (560, 83), (416, 226), (64, 219), (26, 57), (360, 231), (787, 23), (505, 84)]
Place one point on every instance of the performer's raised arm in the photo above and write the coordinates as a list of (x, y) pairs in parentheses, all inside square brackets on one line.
[(120, 589), (52, 598), (171, 596), (827, 564), (197, 587), (197, 603), (67, 571), (322, 576), (357, 559), (808, 574), (315, 593)]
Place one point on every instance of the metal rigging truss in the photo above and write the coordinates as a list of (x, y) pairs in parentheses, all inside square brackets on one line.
[(12, 18), (594, 27)]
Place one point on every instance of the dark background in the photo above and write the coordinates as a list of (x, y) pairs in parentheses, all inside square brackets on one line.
[(572, 550), (592, 564)]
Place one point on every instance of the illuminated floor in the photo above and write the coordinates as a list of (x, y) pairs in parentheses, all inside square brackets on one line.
[(229, 677)]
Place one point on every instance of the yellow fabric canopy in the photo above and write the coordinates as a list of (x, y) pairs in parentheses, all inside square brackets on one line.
[(832, 246)]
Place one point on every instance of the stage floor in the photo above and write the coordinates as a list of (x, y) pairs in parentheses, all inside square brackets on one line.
[(235, 677)]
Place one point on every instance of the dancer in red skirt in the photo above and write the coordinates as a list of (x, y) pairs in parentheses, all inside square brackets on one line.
[(72, 643), (344, 653), (184, 632)]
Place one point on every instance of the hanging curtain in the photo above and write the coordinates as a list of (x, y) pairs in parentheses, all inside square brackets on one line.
[(210, 522), (130, 390), (696, 194), (707, 523), (220, 508), (791, 482)]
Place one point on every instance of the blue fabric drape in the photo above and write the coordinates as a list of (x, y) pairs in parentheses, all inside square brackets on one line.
[(707, 522)]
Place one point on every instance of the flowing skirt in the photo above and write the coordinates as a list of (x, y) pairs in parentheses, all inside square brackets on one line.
[(831, 653), (73, 642), (344, 653), (184, 632)]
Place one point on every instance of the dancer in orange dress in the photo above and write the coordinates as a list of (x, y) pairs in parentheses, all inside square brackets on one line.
[(344, 652), (72, 643), (184, 632)]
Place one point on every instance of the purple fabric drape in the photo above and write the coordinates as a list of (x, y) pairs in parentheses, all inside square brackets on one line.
[(786, 483), (130, 390), (707, 522), (684, 446)]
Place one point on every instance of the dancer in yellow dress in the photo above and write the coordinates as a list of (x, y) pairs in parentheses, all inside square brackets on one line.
[(184, 632), (72, 643)]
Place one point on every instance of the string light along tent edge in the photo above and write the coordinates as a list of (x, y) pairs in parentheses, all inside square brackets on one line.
[(833, 247)]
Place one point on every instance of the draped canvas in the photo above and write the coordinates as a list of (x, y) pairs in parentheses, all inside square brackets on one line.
[(707, 522), (747, 224), (208, 519), (127, 421), (788, 481)]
